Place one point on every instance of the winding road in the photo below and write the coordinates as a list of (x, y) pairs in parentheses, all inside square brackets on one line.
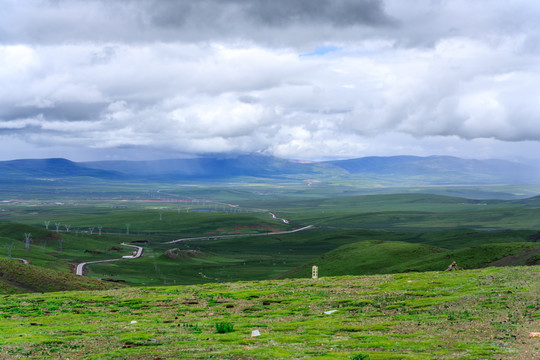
[(239, 235), (24, 261), (285, 221), (137, 254), (80, 267)]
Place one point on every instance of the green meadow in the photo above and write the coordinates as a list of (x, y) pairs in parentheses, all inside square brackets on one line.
[(472, 314), (351, 235), (382, 292)]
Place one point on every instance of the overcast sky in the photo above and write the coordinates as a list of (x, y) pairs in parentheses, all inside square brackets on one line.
[(298, 79)]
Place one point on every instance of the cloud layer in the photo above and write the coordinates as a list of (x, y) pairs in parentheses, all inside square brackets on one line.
[(297, 79)]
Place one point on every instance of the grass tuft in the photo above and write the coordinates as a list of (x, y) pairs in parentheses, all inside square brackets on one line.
[(224, 327)]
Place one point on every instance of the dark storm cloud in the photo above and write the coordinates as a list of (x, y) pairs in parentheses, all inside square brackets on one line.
[(339, 13), (275, 13), (56, 21), (62, 111), (175, 13), (23, 131), (296, 23), (246, 99)]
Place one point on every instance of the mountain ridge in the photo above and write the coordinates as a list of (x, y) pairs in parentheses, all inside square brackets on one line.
[(391, 169)]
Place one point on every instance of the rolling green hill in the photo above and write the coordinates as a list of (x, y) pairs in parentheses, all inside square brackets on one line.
[(380, 257), (367, 257)]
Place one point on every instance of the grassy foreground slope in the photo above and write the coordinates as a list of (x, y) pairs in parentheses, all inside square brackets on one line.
[(477, 314)]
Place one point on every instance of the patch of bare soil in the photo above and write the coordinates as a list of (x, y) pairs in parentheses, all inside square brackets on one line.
[(183, 254), (516, 259)]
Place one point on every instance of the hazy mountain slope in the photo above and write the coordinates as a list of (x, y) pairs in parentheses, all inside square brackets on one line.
[(389, 170), (54, 168), (442, 169), (209, 167)]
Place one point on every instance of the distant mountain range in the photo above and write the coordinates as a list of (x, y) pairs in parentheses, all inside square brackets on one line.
[(393, 170)]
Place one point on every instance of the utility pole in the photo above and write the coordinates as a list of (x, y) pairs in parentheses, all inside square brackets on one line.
[(47, 222), (27, 239), (9, 247)]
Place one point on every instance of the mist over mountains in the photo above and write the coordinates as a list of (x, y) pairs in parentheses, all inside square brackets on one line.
[(394, 169)]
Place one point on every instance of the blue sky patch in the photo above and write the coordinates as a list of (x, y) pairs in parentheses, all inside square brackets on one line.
[(322, 50)]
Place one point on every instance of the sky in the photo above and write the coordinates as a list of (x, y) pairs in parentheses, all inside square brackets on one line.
[(296, 79)]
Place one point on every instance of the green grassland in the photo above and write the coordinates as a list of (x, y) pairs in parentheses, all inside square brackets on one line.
[(248, 190), (379, 257), (412, 212), (240, 275), (474, 314), (421, 221), (62, 250)]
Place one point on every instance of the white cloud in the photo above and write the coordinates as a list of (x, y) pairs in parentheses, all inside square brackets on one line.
[(319, 84)]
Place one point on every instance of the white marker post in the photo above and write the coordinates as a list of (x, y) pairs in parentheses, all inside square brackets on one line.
[(315, 272)]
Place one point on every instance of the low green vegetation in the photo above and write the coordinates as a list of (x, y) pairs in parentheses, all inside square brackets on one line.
[(230, 305), (380, 257), (413, 232), (224, 327), (472, 314)]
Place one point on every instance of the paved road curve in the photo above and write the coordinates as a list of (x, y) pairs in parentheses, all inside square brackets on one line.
[(138, 253), (285, 221), (24, 261), (239, 235)]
